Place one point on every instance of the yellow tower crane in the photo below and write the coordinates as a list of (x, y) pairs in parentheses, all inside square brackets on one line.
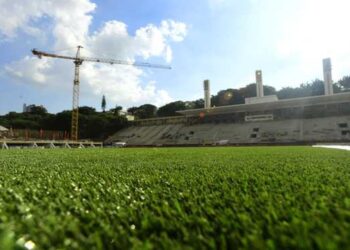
[(78, 60)]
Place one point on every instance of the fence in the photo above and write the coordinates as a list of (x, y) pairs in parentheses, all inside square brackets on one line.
[(28, 134)]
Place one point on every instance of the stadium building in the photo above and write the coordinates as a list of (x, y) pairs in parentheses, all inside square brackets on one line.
[(261, 120)]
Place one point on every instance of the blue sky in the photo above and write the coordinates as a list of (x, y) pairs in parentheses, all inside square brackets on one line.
[(221, 40)]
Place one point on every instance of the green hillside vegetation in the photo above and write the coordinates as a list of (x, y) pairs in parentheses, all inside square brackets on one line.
[(92, 124), (175, 198)]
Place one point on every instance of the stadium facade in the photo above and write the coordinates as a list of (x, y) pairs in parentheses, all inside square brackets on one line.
[(262, 120)]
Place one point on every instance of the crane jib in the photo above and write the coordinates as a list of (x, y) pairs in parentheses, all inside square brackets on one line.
[(40, 54), (78, 60)]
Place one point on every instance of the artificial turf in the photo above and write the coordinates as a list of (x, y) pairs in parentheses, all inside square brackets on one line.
[(175, 198)]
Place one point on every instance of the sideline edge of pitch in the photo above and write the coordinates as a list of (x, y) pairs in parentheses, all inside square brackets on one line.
[(343, 147)]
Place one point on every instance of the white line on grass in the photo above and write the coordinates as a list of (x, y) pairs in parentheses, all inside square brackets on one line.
[(344, 147)]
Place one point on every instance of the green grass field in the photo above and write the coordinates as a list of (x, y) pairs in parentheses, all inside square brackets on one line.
[(175, 198)]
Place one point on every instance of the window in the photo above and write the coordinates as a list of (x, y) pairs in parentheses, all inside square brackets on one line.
[(343, 125), (345, 132)]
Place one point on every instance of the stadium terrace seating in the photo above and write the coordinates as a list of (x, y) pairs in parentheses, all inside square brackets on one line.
[(300, 120)]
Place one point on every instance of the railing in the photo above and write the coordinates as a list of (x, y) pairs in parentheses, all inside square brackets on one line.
[(7, 144), (28, 134)]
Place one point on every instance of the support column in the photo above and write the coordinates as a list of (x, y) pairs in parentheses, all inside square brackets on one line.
[(207, 103), (327, 76), (259, 84), (4, 145)]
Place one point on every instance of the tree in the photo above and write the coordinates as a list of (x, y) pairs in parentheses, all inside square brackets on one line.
[(92, 125), (146, 111), (269, 90), (38, 110), (314, 88), (85, 110), (24, 124), (132, 110), (250, 90), (63, 121), (344, 84), (236, 96), (171, 108), (103, 103), (286, 93), (116, 110), (227, 97), (198, 104)]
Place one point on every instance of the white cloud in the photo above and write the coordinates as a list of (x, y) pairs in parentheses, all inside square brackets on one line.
[(71, 21), (29, 68), (175, 30), (69, 15)]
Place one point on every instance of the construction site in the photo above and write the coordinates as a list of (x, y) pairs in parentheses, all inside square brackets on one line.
[(10, 138)]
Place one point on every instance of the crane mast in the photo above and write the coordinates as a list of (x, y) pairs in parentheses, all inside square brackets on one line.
[(75, 109), (78, 60)]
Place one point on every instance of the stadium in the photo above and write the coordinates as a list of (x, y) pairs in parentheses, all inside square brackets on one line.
[(125, 163), (169, 190), (262, 120)]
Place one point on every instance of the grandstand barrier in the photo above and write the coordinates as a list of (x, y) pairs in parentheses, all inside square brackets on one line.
[(40, 134), (7, 144)]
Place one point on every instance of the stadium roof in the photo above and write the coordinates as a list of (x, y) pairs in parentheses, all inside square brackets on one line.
[(280, 104)]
